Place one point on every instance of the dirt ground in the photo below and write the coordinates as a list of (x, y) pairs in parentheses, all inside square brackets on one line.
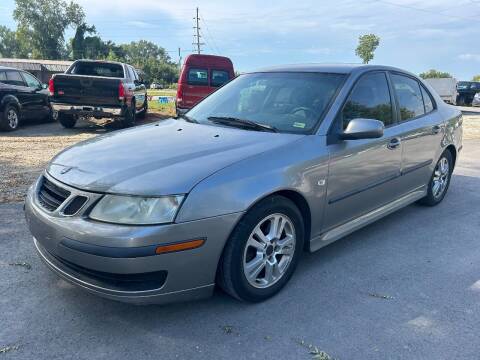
[(25, 153)]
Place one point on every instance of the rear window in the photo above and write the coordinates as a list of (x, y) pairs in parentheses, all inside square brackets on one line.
[(197, 77), (219, 77), (98, 69)]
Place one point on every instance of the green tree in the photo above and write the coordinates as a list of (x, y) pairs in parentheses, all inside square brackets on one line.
[(476, 78), (43, 23), (434, 74), (367, 44), (79, 43)]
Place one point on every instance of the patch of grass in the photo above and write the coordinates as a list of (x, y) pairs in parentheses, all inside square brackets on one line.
[(162, 92), (162, 109)]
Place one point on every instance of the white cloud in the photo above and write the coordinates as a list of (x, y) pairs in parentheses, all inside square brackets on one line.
[(469, 57), (141, 24)]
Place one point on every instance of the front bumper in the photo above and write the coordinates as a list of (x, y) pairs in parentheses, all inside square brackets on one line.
[(169, 277), (88, 110)]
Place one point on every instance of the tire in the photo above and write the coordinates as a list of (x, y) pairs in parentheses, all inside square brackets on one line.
[(10, 119), (143, 113), (441, 177), (66, 120), (461, 100), (240, 254), (130, 118)]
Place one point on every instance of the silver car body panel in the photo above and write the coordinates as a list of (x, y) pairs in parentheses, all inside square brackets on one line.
[(340, 186)]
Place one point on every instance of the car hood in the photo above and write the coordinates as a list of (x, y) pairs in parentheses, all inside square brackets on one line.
[(168, 157)]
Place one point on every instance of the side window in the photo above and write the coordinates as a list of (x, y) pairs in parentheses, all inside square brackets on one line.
[(31, 81), (409, 97), (197, 77), (427, 100), (3, 77), (370, 99), (14, 78), (219, 77)]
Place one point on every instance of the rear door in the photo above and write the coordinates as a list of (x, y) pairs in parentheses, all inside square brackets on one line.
[(364, 174), (140, 90), (421, 128), (19, 89), (197, 87)]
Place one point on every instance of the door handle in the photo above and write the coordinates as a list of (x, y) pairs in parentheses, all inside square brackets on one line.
[(394, 143), (436, 129)]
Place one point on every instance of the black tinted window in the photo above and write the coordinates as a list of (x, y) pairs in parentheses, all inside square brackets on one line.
[(98, 69), (409, 97), (219, 77), (14, 78), (32, 81), (427, 100), (197, 76), (370, 99)]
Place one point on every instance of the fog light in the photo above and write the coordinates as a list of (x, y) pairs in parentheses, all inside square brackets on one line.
[(186, 245)]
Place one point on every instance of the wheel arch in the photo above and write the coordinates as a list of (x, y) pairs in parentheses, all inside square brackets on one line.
[(453, 152)]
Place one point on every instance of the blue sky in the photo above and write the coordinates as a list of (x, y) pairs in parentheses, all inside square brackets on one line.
[(415, 35)]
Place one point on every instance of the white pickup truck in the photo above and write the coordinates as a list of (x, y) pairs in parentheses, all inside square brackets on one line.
[(446, 88)]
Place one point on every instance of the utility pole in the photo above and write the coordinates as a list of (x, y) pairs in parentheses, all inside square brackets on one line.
[(196, 37)]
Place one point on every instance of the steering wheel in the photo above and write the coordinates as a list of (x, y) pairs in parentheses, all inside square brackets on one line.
[(308, 112)]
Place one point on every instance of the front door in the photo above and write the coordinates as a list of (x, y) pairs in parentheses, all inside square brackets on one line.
[(38, 107), (364, 174)]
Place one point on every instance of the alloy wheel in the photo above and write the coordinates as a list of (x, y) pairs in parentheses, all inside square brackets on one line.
[(12, 118), (269, 251), (440, 177)]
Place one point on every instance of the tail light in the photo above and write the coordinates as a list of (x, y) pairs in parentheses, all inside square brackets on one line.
[(51, 87), (179, 93), (121, 92)]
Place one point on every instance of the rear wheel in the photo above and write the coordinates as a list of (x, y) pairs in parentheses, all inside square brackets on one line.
[(68, 121), (143, 113), (440, 180), (10, 119), (130, 117), (263, 250)]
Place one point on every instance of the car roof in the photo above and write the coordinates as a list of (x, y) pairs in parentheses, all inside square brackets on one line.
[(8, 68), (329, 68)]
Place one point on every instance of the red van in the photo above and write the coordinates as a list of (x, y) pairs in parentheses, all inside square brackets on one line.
[(200, 76)]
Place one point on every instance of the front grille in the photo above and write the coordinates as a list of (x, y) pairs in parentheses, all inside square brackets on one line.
[(75, 205), (51, 196)]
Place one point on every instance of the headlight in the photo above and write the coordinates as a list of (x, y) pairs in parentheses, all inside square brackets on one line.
[(137, 210)]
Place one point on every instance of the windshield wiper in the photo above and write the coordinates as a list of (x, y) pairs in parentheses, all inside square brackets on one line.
[(186, 118), (232, 121)]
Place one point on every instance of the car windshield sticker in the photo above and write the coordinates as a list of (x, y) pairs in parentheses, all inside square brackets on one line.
[(299, 125)]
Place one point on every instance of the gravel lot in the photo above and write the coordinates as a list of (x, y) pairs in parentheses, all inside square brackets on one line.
[(406, 287)]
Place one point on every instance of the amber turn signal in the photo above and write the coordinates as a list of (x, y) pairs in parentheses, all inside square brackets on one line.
[(180, 246)]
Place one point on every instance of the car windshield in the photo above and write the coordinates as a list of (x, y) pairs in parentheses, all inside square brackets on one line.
[(464, 85), (286, 102)]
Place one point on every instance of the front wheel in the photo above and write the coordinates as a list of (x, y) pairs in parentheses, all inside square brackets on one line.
[(440, 180), (263, 250), (10, 119)]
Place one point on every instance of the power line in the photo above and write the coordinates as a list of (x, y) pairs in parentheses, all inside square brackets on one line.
[(214, 44)]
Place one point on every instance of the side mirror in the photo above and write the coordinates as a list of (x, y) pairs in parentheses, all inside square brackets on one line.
[(363, 129)]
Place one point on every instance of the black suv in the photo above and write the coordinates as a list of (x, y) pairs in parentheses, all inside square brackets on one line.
[(22, 96)]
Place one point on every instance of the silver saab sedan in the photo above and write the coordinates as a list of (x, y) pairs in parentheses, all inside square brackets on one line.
[(276, 162)]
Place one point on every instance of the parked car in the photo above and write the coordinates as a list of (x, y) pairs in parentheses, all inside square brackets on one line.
[(100, 89), (22, 97), (476, 99), (200, 76), (156, 86), (446, 88), (466, 92), (275, 162)]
